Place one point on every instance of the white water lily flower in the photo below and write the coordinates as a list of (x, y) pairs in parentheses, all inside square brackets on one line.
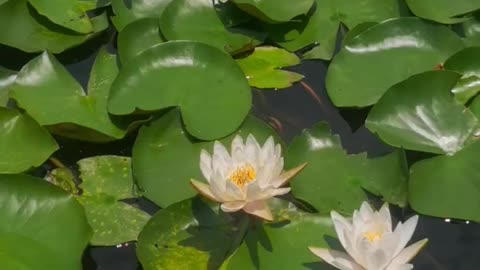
[(370, 242), (246, 178)]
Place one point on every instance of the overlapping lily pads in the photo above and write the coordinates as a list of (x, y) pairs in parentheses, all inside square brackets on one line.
[(165, 158), (42, 226), (24, 143), (334, 180), (7, 77), (206, 83), (421, 114), (396, 49), (443, 11), (469, 85), (139, 9), (275, 10)]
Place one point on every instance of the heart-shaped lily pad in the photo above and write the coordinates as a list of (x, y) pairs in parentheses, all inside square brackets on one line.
[(27, 31), (42, 226), (421, 114), (7, 77), (165, 158), (334, 180), (396, 49), (55, 99), (24, 143), (206, 83), (262, 68), (189, 234), (322, 25), (443, 11), (469, 85), (275, 10), (447, 186)]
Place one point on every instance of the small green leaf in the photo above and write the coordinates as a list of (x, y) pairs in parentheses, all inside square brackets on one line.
[(137, 37), (27, 31), (44, 87), (262, 68), (42, 226), (443, 11), (396, 49), (7, 77), (206, 83), (334, 180), (202, 23), (421, 114), (469, 85), (275, 10), (71, 14), (165, 158), (447, 186), (24, 143), (187, 235), (139, 9)]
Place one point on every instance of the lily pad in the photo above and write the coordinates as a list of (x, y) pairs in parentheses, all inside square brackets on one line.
[(27, 31), (71, 14), (105, 181), (199, 20), (24, 143), (334, 180), (137, 37), (322, 25), (471, 30), (421, 114), (443, 11), (187, 235), (469, 84), (42, 226), (475, 107), (7, 77), (396, 49), (447, 186), (56, 100), (139, 9), (284, 245), (206, 83), (262, 68), (165, 158), (275, 10)]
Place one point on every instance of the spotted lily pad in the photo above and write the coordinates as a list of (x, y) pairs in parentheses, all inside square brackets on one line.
[(443, 11), (275, 10), (262, 68)]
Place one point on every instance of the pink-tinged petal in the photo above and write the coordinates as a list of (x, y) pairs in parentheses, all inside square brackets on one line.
[(203, 189), (340, 260), (407, 254), (259, 209), (288, 175), (405, 232), (206, 165), (232, 206)]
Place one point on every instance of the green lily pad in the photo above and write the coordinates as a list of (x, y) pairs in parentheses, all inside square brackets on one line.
[(137, 37), (42, 226), (202, 23), (63, 177), (165, 158), (284, 245), (443, 11), (71, 14), (105, 181), (396, 49), (139, 9), (447, 186), (275, 10), (262, 68), (27, 31), (471, 30), (24, 143), (187, 235), (475, 107), (7, 77), (322, 25), (469, 85), (56, 100), (334, 180), (206, 83), (421, 114)]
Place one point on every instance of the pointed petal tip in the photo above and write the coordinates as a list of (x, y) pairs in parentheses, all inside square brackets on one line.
[(203, 189), (290, 174)]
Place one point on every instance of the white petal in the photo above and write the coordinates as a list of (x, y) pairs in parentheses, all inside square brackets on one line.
[(238, 151), (288, 175), (385, 216), (407, 254), (405, 231), (377, 260), (260, 209), (203, 189), (267, 150), (366, 211), (254, 194), (380, 254), (221, 160), (232, 206), (234, 191), (340, 260), (342, 227), (400, 267), (206, 164), (252, 150)]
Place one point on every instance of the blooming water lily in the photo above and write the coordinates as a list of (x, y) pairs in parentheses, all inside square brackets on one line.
[(246, 177), (370, 242)]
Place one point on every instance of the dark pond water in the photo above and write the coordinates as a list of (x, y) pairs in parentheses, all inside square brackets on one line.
[(453, 245)]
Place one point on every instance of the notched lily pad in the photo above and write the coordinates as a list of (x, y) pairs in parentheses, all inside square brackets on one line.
[(262, 68)]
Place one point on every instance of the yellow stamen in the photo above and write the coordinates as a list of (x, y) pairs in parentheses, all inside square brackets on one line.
[(243, 175), (372, 236)]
